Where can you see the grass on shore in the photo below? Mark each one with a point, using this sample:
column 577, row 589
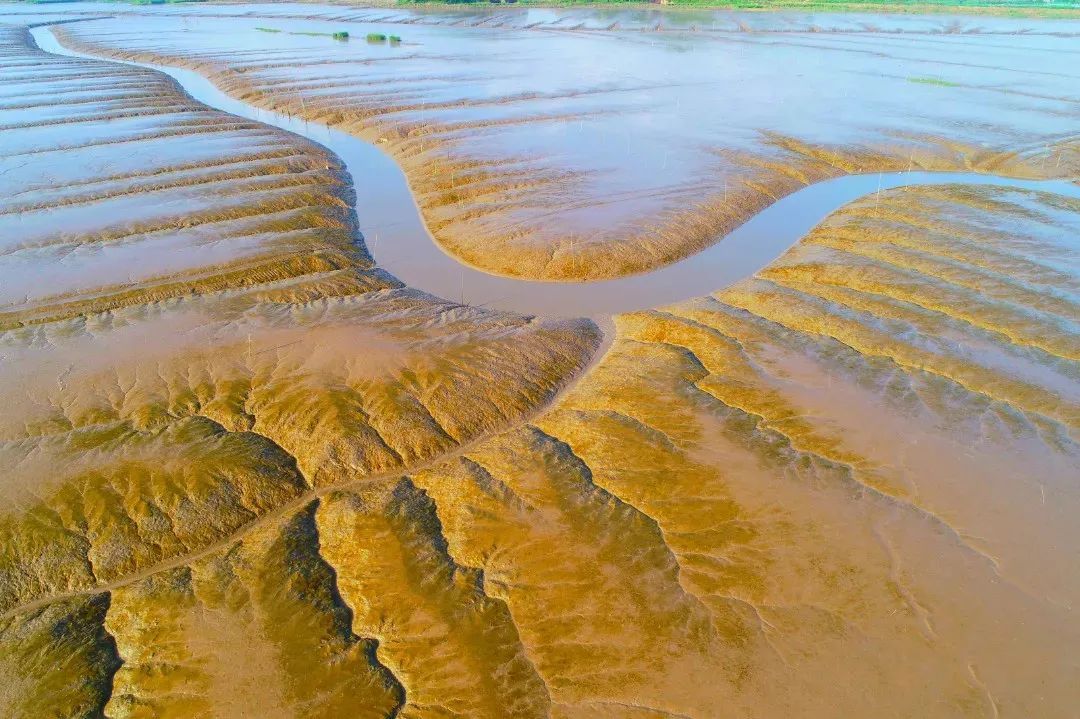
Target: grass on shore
column 933, row 81
column 339, row 35
column 1021, row 8
column 1014, row 8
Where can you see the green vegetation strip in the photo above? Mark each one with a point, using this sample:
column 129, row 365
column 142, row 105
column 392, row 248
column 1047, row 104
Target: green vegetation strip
column 933, row 81
column 339, row 35
column 1052, row 8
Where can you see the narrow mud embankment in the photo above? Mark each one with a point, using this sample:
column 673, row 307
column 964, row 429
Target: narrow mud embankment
column 571, row 214
column 404, row 246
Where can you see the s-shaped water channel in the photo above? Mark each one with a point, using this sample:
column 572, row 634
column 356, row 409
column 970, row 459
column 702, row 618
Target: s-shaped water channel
column 397, row 237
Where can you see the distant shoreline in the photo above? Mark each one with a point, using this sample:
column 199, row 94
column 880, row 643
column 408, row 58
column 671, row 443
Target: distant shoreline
column 1064, row 9
column 1046, row 9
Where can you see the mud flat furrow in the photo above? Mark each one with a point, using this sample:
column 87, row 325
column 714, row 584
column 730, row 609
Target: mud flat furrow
column 455, row 649
column 564, row 227
column 306, row 489
column 77, row 272
column 258, row 175
column 804, row 312
column 58, row 660
column 239, row 478
column 258, row 626
column 519, row 509
column 945, row 28
column 747, row 444
column 266, row 390
column 198, row 411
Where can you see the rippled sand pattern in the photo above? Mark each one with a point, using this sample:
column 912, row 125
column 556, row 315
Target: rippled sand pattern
column 153, row 426
column 253, row 475
column 573, row 172
column 851, row 473
column 118, row 190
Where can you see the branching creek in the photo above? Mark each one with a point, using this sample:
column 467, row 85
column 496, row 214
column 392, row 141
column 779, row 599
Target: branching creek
column 394, row 231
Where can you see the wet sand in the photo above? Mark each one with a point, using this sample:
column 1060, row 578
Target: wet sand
column 624, row 166
column 403, row 246
column 262, row 474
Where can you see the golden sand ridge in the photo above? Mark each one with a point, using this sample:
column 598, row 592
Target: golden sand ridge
column 705, row 520
column 842, row 487
column 744, row 538
column 158, row 419
column 507, row 210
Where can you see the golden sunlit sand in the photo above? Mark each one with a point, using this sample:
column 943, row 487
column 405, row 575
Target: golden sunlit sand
column 246, row 472
column 532, row 179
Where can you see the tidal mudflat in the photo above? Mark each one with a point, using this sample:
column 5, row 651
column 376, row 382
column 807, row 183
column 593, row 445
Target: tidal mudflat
column 569, row 363
column 579, row 152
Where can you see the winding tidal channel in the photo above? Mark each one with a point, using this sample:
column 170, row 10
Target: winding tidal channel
column 397, row 237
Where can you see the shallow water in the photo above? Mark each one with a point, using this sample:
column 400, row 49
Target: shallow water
column 624, row 132
column 396, row 236
column 847, row 485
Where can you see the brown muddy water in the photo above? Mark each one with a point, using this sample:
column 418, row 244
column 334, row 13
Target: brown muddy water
column 822, row 462
column 592, row 145
column 396, row 235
